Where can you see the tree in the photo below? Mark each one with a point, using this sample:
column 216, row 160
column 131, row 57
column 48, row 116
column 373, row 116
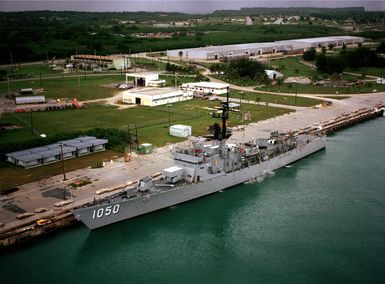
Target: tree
column 330, row 65
column 180, row 54
column 323, row 50
column 331, row 46
column 310, row 54
column 279, row 83
column 381, row 48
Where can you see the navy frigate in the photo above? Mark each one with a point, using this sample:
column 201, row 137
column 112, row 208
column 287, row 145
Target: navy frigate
column 202, row 168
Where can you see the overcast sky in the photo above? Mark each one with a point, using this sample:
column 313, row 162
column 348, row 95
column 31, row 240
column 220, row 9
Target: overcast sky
column 187, row 6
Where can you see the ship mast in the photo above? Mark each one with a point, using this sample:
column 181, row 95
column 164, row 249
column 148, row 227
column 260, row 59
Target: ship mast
column 225, row 115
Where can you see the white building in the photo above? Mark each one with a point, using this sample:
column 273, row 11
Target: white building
column 205, row 88
column 253, row 49
column 155, row 97
column 273, row 75
column 144, row 79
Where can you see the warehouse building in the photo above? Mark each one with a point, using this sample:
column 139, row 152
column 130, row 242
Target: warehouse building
column 52, row 153
column 253, row 49
column 87, row 61
column 155, row 97
column 208, row 88
column 307, row 43
column 228, row 51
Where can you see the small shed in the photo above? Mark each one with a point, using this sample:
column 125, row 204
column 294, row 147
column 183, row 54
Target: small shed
column 180, row 130
column 145, row 148
column 273, row 75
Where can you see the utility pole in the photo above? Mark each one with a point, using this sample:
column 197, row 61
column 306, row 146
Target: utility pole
column 9, row 85
column 31, row 122
column 62, row 163
column 77, row 75
column 169, row 115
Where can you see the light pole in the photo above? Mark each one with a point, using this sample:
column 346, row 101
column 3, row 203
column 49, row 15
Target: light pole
column 295, row 98
column 62, row 161
column 169, row 114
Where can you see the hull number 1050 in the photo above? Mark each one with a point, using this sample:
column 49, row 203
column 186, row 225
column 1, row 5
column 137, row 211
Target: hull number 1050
column 99, row 213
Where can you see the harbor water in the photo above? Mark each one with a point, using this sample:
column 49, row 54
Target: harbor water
column 319, row 220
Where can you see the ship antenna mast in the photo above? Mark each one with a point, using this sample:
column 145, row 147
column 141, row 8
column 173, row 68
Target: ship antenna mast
column 225, row 114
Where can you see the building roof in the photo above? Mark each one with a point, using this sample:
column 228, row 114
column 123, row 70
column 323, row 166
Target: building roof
column 30, row 100
column 271, row 72
column 52, row 150
column 29, row 158
column 180, row 127
column 153, row 91
column 204, row 84
column 284, row 44
column 142, row 74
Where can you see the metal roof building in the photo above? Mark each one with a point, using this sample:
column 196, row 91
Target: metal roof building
column 44, row 155
column 206, row 87
column 30, row 100
column 143, row 78
column 155, row 97
column 252, row 49
column 322, row 41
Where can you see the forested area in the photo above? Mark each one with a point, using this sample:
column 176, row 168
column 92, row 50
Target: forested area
column 30, row 36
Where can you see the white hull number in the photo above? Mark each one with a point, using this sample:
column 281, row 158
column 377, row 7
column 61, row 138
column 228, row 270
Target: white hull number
column 106, row 211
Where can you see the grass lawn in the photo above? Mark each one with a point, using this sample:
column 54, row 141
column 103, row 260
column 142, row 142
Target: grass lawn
column 310, row 89
column 147, row 63
column 290, row 65
column 170, row 80
column 33, row 70
column 278, row 99
column 374, row 71
column 90, row 87
column 246, row 82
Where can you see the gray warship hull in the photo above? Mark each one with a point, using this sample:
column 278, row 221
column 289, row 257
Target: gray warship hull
column 126, row 207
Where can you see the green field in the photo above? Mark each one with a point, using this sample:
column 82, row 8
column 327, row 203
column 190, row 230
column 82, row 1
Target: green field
column 150, row 120
column 269, row 98
column 33, row 70
column 311, row 89
column 87, row 88
column 291, row 67
column 373, row 71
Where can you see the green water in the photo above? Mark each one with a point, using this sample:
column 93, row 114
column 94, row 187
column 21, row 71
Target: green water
column 320, row 221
